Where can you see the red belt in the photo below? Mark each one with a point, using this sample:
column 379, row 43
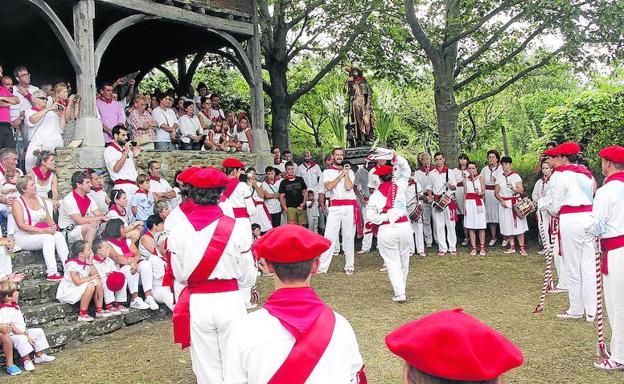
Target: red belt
column 571, row 209
column 490, row 187
column 610, row 244
column 124, row 181
column 182, row 311
column 357, row 217
column 266, row 210
column 240, row 213
column 513, row 200
column 401, row 219
column 476, row 197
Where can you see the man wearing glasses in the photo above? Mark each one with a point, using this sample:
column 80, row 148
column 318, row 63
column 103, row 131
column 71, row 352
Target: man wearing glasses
column 23, row 90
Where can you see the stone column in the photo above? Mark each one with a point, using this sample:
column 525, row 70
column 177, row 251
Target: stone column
column 88, row 127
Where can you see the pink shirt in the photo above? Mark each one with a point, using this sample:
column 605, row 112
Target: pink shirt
column 5, row 115
column 111, row 114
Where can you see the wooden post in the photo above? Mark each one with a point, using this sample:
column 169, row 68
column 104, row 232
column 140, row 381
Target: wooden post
column 261, row 139
column 88, row 127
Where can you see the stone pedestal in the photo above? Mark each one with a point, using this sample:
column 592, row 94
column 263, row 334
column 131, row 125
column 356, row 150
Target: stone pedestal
column 89, row 129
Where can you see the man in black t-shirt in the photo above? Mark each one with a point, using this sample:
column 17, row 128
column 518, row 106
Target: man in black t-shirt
column 293, row 193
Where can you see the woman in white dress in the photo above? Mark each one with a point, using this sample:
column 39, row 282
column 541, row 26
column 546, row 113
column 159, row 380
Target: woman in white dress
column 262, row 217
column 474, row 207
column 191, row 131
column 44, row 175
column 508, row 188
column 460, row 173
column 118, row 209
column 35, row 228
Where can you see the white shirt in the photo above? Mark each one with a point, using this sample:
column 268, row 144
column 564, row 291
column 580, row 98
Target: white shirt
column 241, row 198
column 69, row 206
column 12, row 315
column 46, row 130
column 504, row 182
column 281, row 166
column 273, row 205
column 438, row 180
column 310, row 175
column 608, row 210
column 160, row 186
column 423, row 179
column 189, row 126
column 460, row 174
column 100, row 199
column 259, row 344
column 339, row 192
column 127, row 172
column 570, row 188
column 377, row 202
column 491, row 174
column 24, row 104
column 167, row 117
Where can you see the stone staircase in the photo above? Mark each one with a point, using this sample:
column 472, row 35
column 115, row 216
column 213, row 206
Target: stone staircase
column 41, row 309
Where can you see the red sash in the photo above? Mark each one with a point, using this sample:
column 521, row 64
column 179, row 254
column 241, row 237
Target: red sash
column 266, row 210
column 357, row 216
column 124, row 181
column 122, row 243
column 82, row 202
column 198, row 281
column 610, row 244
column 229, row 189
column 490, row 187
column 476, row 197
column 240, row 213
column 452, row 207
column 571, row 209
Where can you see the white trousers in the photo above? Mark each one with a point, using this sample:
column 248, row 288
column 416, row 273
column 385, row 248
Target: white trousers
column 163, row 295
column 132, row 284
column 367, row 239
column 20, row 342
column 554, row 245
column 248, row 281
column 394, row 242
column 445, row 230
column 339, row 218
column 109, row 296
column 212, row 315
column 417, row 233
column 49, row 244
column 613, row 288
column 580, row 263
column 427, row 218
column 146, row 275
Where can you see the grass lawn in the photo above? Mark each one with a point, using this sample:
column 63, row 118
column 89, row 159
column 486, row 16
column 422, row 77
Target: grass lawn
column 501, row 290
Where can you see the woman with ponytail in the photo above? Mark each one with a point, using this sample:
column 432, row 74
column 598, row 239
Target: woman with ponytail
column 44, row 176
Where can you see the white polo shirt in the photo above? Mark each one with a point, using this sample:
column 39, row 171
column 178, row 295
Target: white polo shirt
column 69, row 206
column 128, row 171
column 167, row 117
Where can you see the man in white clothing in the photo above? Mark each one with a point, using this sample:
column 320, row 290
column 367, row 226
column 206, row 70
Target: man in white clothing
column 608, row 220
column 159, row 187
column 571, row 198
column 295, row 337
column 422, row 177
column 207, row 259
column 491, row 173
column 119, row 159
column 344, row 213
column 310, row 171
column 442, row 183
column 167, row 123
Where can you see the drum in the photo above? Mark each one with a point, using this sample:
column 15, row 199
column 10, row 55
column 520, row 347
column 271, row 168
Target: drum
column 416, row 213
column 442, row 202
column 524, row 207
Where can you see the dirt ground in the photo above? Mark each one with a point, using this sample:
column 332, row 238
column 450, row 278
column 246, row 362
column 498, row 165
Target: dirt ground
column 499, row 289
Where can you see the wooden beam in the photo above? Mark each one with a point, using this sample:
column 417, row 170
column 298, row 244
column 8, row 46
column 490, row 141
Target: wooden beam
column 238, row 49
column 179, row 15
column 109, row 34
column 60, row 31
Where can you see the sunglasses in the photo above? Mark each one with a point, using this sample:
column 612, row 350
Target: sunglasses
column 42, row 98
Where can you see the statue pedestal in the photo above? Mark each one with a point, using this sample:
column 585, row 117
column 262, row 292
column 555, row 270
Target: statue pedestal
column 356, row 155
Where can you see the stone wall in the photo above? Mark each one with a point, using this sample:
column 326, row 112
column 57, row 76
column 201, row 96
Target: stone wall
column 70, row 160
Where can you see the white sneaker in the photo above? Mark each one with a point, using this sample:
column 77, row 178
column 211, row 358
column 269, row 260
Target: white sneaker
column 465, row 242
column 505, row 242
column 85, row 318
column 29, row 366
column 138, row 303
column 363, row 251
column 399, row 299
column 492, row 242
column 44, row 359
column 149, row 300
column 590, row 318
column 104, row 313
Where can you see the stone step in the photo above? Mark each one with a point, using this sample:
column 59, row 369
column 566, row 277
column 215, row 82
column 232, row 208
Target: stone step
column 39, row 314
column 21, row 258
column 37, row 291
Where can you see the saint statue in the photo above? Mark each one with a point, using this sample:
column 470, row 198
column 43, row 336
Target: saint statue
column 360, row 126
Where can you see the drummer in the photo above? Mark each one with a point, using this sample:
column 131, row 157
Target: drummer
column 414, row 196
column 441, row 189
column 508, row 190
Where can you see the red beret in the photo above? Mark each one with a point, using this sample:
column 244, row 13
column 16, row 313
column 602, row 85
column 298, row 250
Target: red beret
column 290, row 244
column 614, row 153
column 233, row 162
column 209, row 177
column 187, row 175
column 454, row 345
column 383, row 170
column 115, row 281
column 565, row 149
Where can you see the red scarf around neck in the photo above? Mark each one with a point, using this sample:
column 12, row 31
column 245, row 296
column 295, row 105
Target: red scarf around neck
column 574, row 168
column 296, row 308
column 385, row 189
column 82, row 263
column 116, row 146
column 443, row 170
column 154, row 178
column 83, row 203
column 202, row 216
column 619, row 176
column 426, row 170
column 120, row 213
column 10, row 305
column 96, row 189
column 40, row 175
column 106, row 101
column 311, row 164
column 122, row 243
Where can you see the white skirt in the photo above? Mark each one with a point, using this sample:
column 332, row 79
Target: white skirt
column 491, row 207
column 459, row 196
column 70, row 293
column 473, row 219
column 509, row 227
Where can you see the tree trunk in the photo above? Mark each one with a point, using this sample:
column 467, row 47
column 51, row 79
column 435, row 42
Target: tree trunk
column 280, row 107
column 505, row 143
column 447, row 114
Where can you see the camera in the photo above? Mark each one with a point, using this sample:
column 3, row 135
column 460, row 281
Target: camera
column 59, row 108
column 133, row 143
column 346, row 167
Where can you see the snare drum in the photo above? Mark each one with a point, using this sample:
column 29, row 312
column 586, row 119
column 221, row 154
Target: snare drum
column 416, row 213
column 442, row 202
column 524, row 207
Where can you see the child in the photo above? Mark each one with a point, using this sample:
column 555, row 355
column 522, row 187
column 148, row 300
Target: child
column 312, row 212
column 105, row 266
column 81, row 282
column 24, row 340
column 153, row 253
column 7, row 348
column 142, row 203
column 97, row 194
column 255, row 231
column 262, row 268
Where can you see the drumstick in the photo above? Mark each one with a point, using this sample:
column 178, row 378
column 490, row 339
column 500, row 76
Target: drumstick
column 548, row 270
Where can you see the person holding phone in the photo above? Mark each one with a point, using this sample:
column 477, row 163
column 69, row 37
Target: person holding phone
column 46, row 125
